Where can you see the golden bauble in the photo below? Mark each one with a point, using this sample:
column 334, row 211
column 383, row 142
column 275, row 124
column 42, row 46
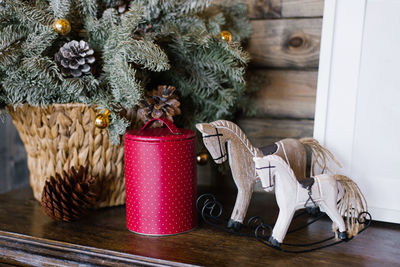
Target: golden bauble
column 227, row 36
column 62, row 26
column 102, row 120
column 202, row 158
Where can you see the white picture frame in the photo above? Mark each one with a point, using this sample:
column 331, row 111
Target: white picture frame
column 358, row 68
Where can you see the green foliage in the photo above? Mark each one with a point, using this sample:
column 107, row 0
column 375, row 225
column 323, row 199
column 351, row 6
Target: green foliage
column 183, row 49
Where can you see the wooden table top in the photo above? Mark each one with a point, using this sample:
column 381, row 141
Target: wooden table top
column 29, row 237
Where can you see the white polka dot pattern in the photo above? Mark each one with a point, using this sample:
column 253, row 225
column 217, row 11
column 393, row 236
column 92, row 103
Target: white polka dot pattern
column 160, row 186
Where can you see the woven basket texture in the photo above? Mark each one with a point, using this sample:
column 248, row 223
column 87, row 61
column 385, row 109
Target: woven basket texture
column 60, row 136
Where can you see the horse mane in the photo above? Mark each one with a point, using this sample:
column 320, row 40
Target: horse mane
column 283, row 163
column 239, row 133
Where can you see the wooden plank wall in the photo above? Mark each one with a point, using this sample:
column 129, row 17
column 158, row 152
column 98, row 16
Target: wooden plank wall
column 285, row 51
column 285, row 48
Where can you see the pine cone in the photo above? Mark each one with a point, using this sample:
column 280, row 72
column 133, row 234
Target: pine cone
column 74, row 58
column 160, row 103
column 69, row 197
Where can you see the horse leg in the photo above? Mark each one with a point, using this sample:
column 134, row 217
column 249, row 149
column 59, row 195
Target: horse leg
column 333, row 213
column 281, row 226
column 239, row 211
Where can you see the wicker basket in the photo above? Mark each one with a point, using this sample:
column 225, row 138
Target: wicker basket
column 60, row 136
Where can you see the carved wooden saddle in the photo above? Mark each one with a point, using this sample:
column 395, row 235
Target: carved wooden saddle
column 306, row 182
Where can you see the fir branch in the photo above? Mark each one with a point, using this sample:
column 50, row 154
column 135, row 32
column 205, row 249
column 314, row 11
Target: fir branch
column 6, row 17
column 117, row 128
column 109, row 18
column 99, row 30
column 183, row 6
column 41, row 4
column 45, row 65
column 126, row 90
column 10, row 55
column 194, row 6
column 87, row 8
column 235, row 13
column 146, row 54
column 110, row 3
column 129, row 22
column 79, row 89
column 37, row 43
column 11, row 34
column 215, row 23
column 30, row 16
column 235, row 49
column 191, row 38
column 214, row 60
column 60, row 8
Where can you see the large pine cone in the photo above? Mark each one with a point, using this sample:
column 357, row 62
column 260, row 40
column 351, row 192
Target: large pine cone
column 160, row 103
column 69, row 197
column 74, row 59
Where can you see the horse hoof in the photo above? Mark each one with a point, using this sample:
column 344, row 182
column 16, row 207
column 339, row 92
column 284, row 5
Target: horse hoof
column 236, row 226
column 343, row 236
column 274, row 242
column 313, row 211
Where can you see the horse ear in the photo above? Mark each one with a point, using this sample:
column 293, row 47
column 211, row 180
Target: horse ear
column 204, row 127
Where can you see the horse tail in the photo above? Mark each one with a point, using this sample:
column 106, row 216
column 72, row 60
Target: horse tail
column 320, row 154
column 351, row 204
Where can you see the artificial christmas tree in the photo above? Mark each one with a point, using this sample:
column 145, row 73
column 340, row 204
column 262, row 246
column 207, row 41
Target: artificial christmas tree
column 47, row 65
column 171, row 42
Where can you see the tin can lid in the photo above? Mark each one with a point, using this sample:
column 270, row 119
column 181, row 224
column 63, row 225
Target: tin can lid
column 167, row 134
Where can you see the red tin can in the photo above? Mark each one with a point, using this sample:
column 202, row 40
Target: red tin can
column 160, row 178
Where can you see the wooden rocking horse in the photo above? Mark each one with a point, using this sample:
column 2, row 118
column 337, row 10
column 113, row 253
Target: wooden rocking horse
column 226, row 141
column 321, row 190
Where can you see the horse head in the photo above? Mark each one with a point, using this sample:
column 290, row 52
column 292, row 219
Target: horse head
column 214, row 141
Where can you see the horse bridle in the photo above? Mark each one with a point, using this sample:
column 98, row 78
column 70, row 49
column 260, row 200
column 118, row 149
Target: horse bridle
column 218, row 135
column 269, row 167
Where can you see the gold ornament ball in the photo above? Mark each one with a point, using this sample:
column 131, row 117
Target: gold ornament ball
column 62, row 26
column 102, row 120
column 227, row 36
column 202, row 158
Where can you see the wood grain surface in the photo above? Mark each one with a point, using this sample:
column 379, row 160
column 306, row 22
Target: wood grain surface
column 264, row 9
column 302, row 8
column 286, row 43
column 285, row 93
column 28, row 237
column 263, row 131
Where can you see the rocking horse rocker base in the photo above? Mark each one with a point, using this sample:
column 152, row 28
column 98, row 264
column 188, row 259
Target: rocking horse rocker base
column 211, row 210
column 275, row 243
